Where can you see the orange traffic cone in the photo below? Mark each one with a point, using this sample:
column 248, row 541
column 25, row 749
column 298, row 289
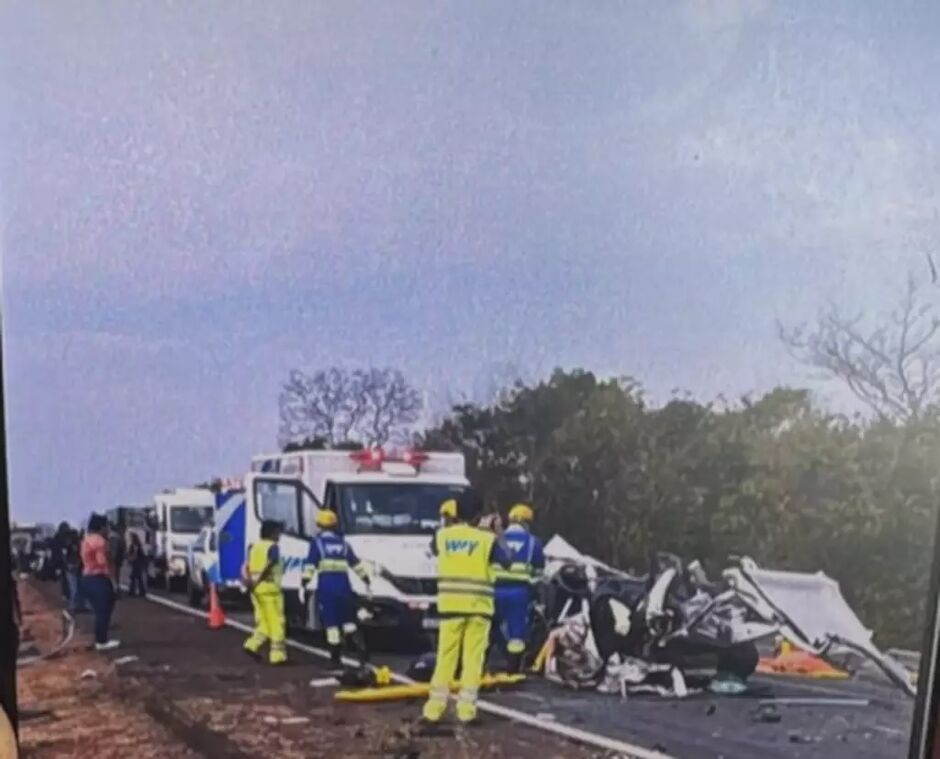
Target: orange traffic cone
column 216, row 615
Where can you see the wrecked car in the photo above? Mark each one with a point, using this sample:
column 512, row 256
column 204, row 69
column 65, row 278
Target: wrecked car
column 673, row 630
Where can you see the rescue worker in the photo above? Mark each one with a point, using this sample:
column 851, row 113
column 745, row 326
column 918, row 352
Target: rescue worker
column 465, row 603
column 262, row 575
column 448, row 512
column 330, row 558
column 514, row 585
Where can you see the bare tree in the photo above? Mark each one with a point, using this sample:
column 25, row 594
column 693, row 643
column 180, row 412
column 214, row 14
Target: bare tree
column 893, row 368
column 337, row 406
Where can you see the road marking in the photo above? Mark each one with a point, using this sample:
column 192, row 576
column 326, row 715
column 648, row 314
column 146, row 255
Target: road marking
column 621, row 748
column 794, row 682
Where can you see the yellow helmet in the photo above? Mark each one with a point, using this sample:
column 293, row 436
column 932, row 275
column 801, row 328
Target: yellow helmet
column 326, row 518
column 449, row 509
column 521, row 513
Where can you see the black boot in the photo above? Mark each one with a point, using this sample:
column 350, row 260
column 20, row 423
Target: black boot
column 336, row 658
column 514, row 663
column 358, row 641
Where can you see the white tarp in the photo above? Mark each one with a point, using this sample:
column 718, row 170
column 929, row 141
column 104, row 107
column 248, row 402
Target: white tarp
column 815, row 605
column 560, row 550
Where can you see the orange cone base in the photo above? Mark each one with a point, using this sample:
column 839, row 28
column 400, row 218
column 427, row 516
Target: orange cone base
column 216, row 615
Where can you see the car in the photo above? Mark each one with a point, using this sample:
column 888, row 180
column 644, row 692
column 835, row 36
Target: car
column 202, row 565
column 201, row 555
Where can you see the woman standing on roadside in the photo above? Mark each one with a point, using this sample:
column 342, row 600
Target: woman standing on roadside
column 138, row 561
column 98, row 579
column 73, row 568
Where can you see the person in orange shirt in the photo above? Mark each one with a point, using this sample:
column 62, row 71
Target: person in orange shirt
column 98, row 580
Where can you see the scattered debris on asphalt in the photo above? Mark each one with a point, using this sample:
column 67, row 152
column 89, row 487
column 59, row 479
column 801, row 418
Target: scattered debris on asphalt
column 324, row 682
column 767, row 714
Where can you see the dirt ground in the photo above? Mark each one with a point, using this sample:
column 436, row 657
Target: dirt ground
column 62, row 714
column 191, row 692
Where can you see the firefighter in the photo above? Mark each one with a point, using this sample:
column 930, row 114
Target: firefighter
column 465, row 603
column 514, row 585
column 448, row 512
column 330, row 558
column 262, row 575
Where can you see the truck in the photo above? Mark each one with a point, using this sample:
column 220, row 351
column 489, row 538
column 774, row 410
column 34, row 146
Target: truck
column 29, row 546
column 137, row 520
column 178, row 516
column 387, row 505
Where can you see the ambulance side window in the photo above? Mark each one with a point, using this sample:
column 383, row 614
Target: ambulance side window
column 280, row 501
column 288, row 502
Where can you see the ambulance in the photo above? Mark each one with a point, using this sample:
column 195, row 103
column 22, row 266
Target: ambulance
column 388, row 507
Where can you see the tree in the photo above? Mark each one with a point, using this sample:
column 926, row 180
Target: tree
column 894, row 368
column 336, row 406
column 773, row 478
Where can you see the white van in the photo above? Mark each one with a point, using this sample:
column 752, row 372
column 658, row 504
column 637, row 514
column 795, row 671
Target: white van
column 179, row 515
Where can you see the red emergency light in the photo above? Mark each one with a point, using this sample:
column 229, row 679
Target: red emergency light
column 373, row 458
column 415, row 458
column 369, row 458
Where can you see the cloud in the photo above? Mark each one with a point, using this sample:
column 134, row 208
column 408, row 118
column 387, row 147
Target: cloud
column 710, row 17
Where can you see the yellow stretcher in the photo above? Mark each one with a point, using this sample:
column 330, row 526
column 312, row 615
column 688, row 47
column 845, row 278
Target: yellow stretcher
column 418, row 690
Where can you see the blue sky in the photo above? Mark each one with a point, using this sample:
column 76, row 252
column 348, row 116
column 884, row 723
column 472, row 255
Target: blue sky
column 198, row 197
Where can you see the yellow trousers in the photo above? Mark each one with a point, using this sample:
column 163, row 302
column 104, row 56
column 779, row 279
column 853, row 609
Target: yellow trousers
column 461, row 640
column 269, row 626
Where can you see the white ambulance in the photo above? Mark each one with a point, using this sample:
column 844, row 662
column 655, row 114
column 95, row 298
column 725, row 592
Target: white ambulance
column 388, row 507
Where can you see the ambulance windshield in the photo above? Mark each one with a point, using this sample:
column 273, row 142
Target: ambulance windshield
column 393, row 508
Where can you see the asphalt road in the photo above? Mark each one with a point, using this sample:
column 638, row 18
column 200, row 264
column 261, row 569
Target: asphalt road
column 706, row 726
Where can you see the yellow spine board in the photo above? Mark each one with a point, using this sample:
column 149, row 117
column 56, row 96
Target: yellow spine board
column 401, row 692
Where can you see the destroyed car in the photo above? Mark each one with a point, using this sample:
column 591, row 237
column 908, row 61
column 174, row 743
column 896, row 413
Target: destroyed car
column 674, row 629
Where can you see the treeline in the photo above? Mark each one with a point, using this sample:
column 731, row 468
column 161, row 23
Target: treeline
column 776, row 479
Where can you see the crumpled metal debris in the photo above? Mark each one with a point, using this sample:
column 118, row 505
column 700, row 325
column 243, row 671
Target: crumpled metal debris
column 575, row 663
column 574, row 660
column 675, row 612
column 634, row 676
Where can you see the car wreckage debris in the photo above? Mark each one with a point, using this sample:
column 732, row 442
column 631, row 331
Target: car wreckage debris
column 673, row 632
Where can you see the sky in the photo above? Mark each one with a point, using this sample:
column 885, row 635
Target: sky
column 196, row 198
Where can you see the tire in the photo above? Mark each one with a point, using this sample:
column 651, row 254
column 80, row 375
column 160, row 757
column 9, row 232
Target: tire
column 176, row 584
column 195, row 595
